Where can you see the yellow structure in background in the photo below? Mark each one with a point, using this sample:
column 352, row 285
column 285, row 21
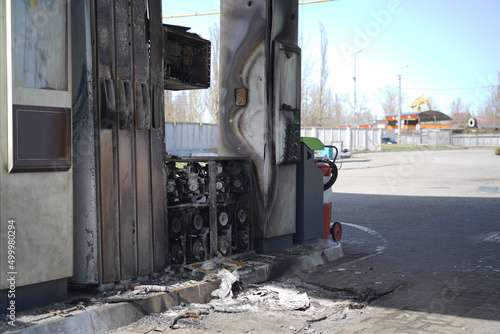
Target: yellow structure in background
column 417, row 104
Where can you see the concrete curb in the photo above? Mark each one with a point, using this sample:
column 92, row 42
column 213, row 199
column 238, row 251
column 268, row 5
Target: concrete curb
column 113, row 316
column 289, row 263
column 351, row 160
column 490, row 187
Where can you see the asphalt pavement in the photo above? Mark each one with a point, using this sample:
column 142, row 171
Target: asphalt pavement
column 422, row 238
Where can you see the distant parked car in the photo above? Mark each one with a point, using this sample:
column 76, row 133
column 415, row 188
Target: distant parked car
column 388, row 140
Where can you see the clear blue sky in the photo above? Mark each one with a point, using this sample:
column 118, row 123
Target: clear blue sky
column 451, row 47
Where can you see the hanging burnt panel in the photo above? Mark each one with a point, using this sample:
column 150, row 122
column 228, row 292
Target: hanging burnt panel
column 208, row 208
column 106, row 155
column 187, row 59
column 158, row 203
column 287, row 102
column 142, row 101
column 125, row 140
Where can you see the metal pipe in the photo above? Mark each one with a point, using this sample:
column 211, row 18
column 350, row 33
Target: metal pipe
column 355, row 95
column 399, row 111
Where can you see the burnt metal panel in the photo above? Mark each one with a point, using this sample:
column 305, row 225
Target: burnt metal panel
column 285, row 18
column 287, row 58
column 106, row 140
column 143, row 198
column 140, row 40
column 107, row 103
column 249, row 129
column 125, row 137
column 142, row 103
column 156, row 38
column 104, row 31
column 107, row 207
column 286, row 80
column 126, row 206
column 244, row 50
column 158, row 201
column 123, row 39
column 125, row 103
column 158, row 178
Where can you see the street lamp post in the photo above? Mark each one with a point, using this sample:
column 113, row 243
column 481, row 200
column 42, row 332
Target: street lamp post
column 355, row 95
column 399, row 111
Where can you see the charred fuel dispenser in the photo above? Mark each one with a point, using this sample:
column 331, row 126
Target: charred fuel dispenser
column 260, row 109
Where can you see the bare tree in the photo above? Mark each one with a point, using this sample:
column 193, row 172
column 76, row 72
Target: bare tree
column 459, row 107
column 183, row 107
column 212, row 94
column 307, row 112
column 324, row 72
column 365, row 114
column 491, row 104
column 196, row 110
column 336, row 106
column 460, row 113
column 306, row 86
column 388, row 97
column 169, row 110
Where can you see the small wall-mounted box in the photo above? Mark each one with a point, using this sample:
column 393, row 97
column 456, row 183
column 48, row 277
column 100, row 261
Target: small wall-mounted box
column 187, row 59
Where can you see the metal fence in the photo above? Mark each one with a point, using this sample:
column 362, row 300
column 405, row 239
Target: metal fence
column 441, row 137
column 352, row 139
column 476, row 140
column 445, row 137
column 191, row 139
column 202, row 139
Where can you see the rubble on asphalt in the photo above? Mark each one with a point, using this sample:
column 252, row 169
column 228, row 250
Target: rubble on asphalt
column 233, row 296
column 292, row 296
column 170, row 279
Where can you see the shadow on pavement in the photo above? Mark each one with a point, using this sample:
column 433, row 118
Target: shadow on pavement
column 436, row 255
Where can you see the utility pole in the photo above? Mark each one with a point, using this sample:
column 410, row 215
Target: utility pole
column 355, row 95
column 400, row 128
